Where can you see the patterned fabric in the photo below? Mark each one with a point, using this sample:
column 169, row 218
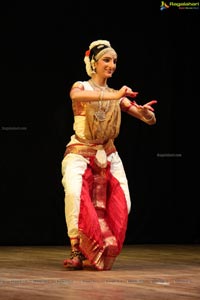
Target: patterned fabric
column 97, row 200
column 86, row 126
column 103, row 217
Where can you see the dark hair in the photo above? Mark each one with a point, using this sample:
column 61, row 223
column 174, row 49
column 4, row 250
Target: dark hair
column 95, row 50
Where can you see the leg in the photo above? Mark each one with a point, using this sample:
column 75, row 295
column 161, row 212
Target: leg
column 73, row 168
column 118, row 172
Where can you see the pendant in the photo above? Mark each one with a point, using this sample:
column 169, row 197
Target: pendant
column 100, row 115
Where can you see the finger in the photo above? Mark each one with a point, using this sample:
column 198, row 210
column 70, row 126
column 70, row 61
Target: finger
column 147, row 106
column 152, row 102
column 132, row 94
column 151, row 108
column 135, row 94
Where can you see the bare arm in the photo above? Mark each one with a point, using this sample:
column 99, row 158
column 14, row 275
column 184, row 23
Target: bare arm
column 78, row 93
column 144, row 112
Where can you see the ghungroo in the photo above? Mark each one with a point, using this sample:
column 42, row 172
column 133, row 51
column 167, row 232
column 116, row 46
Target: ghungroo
column 77, row 253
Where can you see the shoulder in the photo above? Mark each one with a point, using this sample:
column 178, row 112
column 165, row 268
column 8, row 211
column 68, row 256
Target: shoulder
column 83, row 85
column 78, row 84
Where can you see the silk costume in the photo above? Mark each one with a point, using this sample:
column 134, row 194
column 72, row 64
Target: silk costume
column 97, row 199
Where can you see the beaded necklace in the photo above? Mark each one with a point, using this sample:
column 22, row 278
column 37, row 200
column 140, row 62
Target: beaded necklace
column 100, row 114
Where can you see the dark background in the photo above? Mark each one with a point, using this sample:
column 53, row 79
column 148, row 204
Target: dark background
column 42, row 50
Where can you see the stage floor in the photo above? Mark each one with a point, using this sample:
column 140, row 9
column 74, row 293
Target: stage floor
column 153, row 272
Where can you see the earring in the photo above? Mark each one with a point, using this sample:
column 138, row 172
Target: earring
column 93, row 66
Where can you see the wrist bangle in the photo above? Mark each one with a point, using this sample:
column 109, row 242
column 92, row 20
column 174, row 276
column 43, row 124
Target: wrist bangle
column 150, row 118
column 126, row 109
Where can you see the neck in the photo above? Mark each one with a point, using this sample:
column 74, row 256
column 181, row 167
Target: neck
column 100, row 86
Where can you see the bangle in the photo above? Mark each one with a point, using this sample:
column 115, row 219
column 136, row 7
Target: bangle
column 126, row 109
column 150, row 118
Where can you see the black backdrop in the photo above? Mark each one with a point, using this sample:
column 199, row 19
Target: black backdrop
column 42, row 49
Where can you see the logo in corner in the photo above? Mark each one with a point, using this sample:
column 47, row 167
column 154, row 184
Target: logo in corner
column 179, row 5
column 164, row 5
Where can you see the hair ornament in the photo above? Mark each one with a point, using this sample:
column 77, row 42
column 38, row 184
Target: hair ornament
column 87, row 53
column 95, row 51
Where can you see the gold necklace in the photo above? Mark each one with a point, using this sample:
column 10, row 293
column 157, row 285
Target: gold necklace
column 98, row 86
column 100, row 114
